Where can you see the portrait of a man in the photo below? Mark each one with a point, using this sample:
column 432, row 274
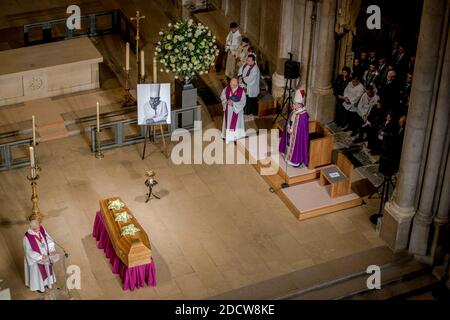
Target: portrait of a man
column 153, row 104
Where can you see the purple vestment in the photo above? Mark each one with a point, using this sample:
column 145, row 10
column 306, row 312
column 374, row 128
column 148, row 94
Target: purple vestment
column 296, row 145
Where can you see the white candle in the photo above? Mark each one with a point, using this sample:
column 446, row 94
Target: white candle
column 34, row 131
column 32, row 157
column 127, row 57
column 98, row 117
column 142, row 64
column 155, row 70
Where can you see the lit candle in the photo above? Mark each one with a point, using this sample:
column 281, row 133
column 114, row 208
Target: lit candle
column 127, row 57
column 98, row 117
column 155, row 70
column 34, row 131
column 142, row 64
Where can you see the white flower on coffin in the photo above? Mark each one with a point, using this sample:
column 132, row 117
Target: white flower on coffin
column 169, row 25
column 115, row 204
column 161, row 33
column 129, row 230
column 122, row 217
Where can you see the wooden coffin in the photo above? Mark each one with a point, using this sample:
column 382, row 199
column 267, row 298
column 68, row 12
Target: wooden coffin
column 134, row 250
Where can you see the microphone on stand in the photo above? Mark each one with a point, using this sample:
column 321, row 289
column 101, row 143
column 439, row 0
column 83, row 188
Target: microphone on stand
column 66, row 254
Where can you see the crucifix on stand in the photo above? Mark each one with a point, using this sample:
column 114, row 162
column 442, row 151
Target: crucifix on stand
column 138, row 19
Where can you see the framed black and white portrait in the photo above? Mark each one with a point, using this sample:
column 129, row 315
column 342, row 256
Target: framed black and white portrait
column 153, row 103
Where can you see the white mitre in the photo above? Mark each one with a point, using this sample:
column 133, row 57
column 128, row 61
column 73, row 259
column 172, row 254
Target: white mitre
column 299, row 97
column 154, row 90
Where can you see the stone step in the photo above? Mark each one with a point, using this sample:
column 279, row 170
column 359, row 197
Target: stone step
column 357, row 286
column 52, row 131
column 317, row 277
column 405, row 289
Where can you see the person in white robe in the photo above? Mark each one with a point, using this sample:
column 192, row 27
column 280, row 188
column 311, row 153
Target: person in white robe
column 249, row 78
column 368, row 100
column 352, row 95
column 233, row 101
column 39, row 248
column 243, row 52
column 232, row 44
column 155, row 110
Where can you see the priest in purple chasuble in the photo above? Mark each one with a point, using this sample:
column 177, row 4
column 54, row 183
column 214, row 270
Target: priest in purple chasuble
column 38, row 248
column 294, row 142
column 233, row 102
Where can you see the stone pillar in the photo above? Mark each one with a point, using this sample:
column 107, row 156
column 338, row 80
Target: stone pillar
column 284, row 46
column 422, row 220
column 442, row 216
column 400, row 210
column 321, row 104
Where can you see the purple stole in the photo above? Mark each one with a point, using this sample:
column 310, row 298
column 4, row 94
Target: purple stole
column 34, row 245
column 238, row 94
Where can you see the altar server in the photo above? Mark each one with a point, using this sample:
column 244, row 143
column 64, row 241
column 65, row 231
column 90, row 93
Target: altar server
column 38, row 248
column 155, row 110
column 233, row 102
column 294, row 142
column 352, row 95
column 233, row 42
column 249, row 78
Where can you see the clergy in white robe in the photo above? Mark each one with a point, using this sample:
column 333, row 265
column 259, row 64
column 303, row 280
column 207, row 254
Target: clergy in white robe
column 233, row 102
column 232, row 44
column 38, row 248
column 155, row 110
column 249, row 78
column 352, row 95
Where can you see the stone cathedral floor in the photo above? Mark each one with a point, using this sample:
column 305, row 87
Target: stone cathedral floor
column 216, row 228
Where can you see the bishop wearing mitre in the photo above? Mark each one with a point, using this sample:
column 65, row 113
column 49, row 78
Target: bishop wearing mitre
column 233, row 102
column 38, row 248
column 294, row 142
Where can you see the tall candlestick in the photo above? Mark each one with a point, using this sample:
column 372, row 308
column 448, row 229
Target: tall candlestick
column 34, row 130
column 127, row 57
column 155, row 70
column 32, row 163
column 142, row 64
column 98, row 117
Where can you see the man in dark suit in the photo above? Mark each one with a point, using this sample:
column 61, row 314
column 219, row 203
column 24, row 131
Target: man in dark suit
column 389, row 93
column 401, row 63
column 339, row 86
column 382, row 69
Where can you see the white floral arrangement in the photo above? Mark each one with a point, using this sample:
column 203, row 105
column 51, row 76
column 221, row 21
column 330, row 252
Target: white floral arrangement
column 129, row 230
column 115, row 204
column 186, row 49
column 122, row 217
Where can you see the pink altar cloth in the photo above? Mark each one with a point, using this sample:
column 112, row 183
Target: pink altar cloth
column 135, row 277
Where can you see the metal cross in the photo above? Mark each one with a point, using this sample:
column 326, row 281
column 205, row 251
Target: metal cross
column 138, row 18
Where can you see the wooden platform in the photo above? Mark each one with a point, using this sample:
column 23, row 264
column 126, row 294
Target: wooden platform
column 305, row 197
column 261, row 157
column 310, row 200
